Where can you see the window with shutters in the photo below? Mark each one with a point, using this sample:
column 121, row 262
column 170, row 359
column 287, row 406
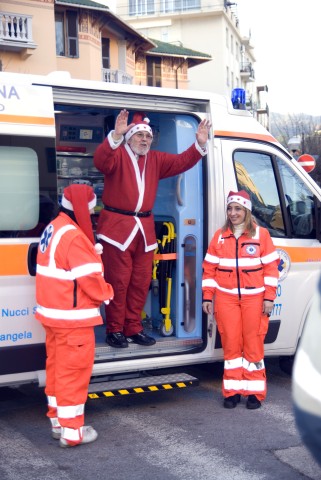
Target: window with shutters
column 66, row 24
column 105, row 47
column 154, row 72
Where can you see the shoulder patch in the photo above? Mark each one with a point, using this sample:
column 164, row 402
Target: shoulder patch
column 46, row 238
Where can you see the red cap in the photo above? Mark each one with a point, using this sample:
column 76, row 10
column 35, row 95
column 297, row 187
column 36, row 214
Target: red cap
column 241, row 197
column 80, row 199
column 141, row 125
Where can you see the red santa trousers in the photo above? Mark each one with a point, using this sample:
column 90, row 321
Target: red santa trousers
column 242, row 328
column 70, row 359
column 130, row 274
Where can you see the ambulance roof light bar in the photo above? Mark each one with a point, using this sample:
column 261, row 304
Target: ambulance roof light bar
column 238, row 98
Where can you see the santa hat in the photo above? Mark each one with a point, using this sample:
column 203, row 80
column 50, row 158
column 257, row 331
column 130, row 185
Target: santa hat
column 241, row 197
column 80, row 199
column 141, row 125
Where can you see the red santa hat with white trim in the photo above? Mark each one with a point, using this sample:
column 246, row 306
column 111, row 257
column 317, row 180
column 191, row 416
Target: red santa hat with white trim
column 241, row 197
column 80, row 199
column 141, row 125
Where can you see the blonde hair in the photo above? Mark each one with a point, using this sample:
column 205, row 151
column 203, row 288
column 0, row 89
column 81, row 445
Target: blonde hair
column 249, row 224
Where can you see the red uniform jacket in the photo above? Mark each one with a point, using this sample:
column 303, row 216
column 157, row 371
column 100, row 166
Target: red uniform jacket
column 244, row 266
column 69, row 282
column 126, row 187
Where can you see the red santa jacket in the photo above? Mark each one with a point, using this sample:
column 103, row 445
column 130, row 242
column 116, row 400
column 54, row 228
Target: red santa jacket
column 126, row 187
column 69, row 281
column 243, row 266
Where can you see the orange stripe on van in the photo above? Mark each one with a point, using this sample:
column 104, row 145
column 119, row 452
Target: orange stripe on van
column 27, row 119
column 13, row 260
column 302, row 254
column 252, row 136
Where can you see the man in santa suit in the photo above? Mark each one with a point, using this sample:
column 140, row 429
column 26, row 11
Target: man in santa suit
column 126, row 224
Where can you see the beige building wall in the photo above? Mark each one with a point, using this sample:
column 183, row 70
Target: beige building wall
column 43, row 58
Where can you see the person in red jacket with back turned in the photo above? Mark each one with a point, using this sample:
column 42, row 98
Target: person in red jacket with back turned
column 126, row 224
column 70, row 288
column 241, row 274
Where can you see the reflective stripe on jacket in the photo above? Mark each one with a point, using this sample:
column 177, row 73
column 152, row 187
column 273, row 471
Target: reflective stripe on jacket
column 70, row 286
column 243, row 266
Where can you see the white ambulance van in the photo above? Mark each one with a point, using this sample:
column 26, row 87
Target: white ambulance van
column 50, row 127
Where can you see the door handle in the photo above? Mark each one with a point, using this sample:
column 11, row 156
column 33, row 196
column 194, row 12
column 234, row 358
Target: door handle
column 32, row 258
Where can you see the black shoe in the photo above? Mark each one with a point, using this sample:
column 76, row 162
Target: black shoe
column 142, row 339
column 231, row 402
column 252, row 402
column 117, row 340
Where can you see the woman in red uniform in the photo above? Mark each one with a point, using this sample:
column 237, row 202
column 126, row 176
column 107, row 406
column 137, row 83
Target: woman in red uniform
column 241, row 273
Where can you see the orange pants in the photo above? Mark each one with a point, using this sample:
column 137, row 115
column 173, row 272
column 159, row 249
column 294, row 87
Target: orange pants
column 130, row 274
column 70, row 359
column 242, row 328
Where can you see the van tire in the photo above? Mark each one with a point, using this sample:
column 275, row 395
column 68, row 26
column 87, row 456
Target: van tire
column 286, row 364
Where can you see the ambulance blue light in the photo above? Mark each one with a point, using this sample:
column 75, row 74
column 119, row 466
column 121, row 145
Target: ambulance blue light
column 238, row 98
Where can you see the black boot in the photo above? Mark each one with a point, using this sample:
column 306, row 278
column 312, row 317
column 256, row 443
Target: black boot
column 231, row 402
column 117, row 340
column 142, row 339
column 252, row 402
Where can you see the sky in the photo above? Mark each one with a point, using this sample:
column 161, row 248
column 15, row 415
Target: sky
column 286, row 35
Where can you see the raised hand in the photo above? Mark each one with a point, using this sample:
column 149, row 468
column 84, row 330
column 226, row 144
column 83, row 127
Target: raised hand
column 202, row 132
column 121, row 125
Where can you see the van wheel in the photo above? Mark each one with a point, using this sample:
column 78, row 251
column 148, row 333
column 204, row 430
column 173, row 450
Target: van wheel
column 166, row 333
column 286, row 364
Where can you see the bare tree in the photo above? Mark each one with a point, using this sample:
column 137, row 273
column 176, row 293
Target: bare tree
column 307, row 128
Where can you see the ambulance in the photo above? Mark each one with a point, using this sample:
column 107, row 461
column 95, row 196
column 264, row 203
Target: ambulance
column 50, row 127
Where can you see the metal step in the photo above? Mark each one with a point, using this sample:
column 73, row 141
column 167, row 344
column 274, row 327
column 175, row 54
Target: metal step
column 163, row 346
column 141, row 385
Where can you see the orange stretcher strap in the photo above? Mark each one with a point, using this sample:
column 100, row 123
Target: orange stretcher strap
column 165, row 256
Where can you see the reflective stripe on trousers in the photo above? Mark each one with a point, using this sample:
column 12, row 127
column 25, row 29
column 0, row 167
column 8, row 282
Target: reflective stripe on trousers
column 242, row 328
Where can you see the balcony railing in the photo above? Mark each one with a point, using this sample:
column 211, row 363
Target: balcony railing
column 116, row 76
column 247, row 72
column 15, row 31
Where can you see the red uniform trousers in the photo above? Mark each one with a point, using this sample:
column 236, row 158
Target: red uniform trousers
column 69, row 364
column 130, row 274
column 242, row 328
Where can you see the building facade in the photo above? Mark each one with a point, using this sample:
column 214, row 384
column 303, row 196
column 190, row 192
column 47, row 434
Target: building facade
column 204, row 25
column 89, row 41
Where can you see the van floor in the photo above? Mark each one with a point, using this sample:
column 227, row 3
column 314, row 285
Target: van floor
column 163, row 346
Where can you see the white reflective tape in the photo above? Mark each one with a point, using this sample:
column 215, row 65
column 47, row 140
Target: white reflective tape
column 81, row 271
column 56, row 240
column 52, row 401
column 72, row 434
column 68, row 314
column 209, row 282
column 254, row 385
column 70, row 411
column 243, row 291
column 270, row 258
column 234, row 363
column 211, row 258
column 245, row 385
column 271, row 281
column 241, row 262
column 53, row 272
column 87, row 269
column 306, row 376
column 55, row 422
column 257, row 233
column 253, row 366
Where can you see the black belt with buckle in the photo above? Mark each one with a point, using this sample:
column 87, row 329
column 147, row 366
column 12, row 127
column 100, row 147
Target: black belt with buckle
column 128, row 212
